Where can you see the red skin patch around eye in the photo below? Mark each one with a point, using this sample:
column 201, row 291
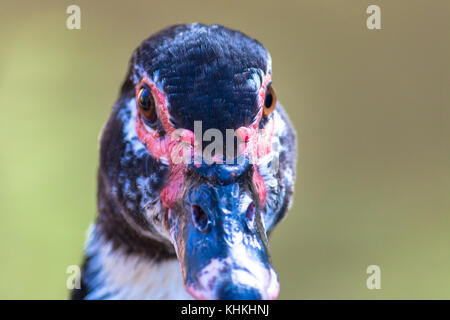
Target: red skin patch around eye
column 256, row 143
column 162, row 147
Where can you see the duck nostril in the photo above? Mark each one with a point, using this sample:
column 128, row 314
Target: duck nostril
column 250, row 215
column 200, row 218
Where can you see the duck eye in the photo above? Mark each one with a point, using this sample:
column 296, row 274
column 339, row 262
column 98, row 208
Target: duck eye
column 147, row 104
column 270, row 101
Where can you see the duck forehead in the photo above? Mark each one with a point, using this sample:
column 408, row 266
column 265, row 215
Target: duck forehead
column 219, row 99
column 178, row 49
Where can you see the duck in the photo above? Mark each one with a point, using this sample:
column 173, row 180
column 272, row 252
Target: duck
column 196, row 168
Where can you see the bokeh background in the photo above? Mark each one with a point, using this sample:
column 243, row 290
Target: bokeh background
column 372, row 111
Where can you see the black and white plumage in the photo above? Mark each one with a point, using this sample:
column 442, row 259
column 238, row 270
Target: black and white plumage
column 172, row 231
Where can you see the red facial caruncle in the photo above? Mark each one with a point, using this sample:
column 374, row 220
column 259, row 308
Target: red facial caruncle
column 255, row 143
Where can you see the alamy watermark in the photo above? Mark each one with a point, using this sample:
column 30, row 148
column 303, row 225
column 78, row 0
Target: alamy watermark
column 73, row 21
column 255, row 146
column 373, row 22
column 374, row 280
column 74, row 279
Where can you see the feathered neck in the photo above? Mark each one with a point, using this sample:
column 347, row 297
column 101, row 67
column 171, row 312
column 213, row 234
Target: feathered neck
column 112, row 273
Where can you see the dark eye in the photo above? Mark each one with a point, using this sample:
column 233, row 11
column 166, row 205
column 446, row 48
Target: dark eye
column 147, row 105
column 270, row 101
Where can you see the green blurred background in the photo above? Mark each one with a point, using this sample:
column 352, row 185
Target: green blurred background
column 372, row 110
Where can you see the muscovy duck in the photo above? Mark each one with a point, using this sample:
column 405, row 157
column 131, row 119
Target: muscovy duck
column 196, row 228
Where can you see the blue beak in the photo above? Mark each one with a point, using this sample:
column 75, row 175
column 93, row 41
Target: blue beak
column 221, row 243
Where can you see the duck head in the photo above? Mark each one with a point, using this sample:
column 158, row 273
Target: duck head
column 197, row 161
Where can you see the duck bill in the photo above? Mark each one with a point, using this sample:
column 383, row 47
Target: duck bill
column 222, row 246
